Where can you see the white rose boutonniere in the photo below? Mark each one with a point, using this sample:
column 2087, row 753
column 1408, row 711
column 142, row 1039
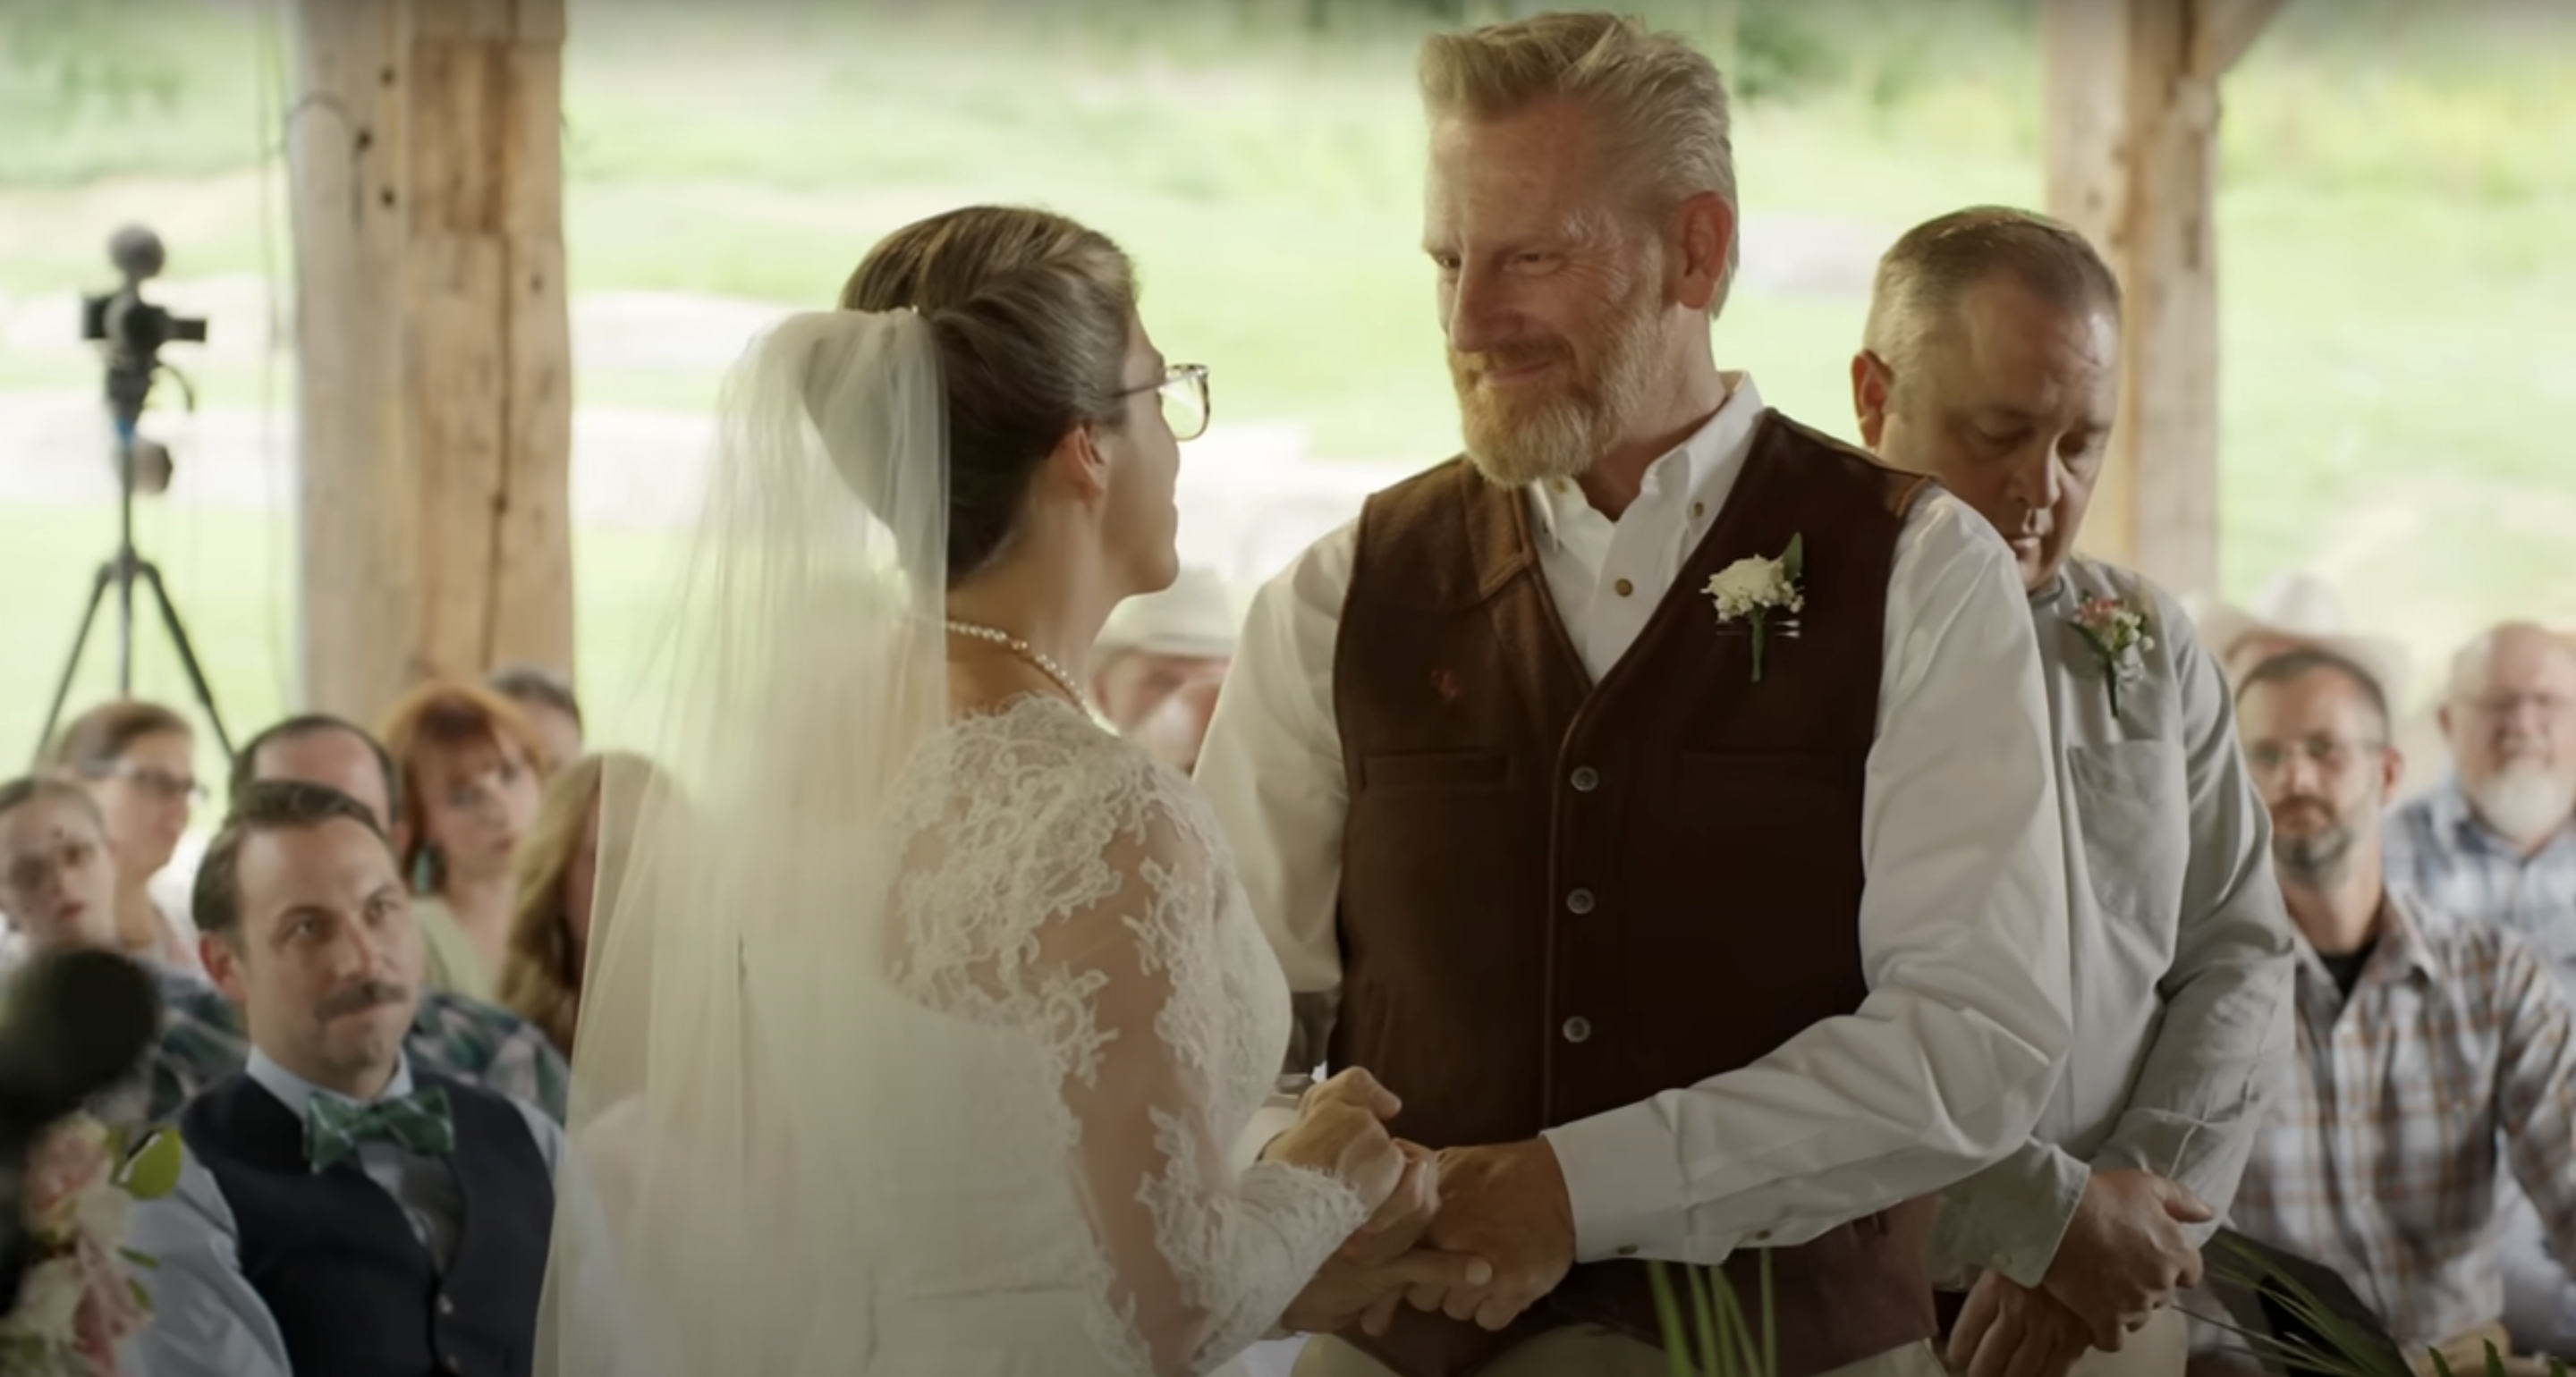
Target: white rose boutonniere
column 1751, row 590
column 2119, row 635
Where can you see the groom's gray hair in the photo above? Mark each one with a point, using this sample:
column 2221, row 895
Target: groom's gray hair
column 1920, row 280
column 1659, row 103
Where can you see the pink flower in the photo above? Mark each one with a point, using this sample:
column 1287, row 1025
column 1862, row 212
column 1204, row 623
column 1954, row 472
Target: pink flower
column 109, row 1313
column 68, row 1163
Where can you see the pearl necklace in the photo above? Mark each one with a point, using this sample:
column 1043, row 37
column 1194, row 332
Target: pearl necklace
column 1046, row 664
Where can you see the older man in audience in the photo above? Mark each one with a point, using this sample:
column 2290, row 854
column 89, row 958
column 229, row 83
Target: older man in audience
column 2431, row 1050
column 1991, row 361
column 1159, row 662
column 276, row 1254
column 2496, row 843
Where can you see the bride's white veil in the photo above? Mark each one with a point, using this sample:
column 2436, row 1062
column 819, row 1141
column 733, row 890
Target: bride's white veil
column 711, row 1219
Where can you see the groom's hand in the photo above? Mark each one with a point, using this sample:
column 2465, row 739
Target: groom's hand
column 2125, row 1253
column 1507, row 1205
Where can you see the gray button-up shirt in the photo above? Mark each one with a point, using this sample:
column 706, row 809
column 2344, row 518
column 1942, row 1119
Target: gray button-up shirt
column 2181, row 950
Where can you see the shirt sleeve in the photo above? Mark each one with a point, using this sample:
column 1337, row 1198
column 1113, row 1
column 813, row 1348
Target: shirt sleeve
column 1948, row 1062
column 2535, row 1080
column 1272, row 771
column 207, row 1320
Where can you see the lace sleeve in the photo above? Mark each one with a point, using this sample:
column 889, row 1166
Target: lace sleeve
column 1195, row 1262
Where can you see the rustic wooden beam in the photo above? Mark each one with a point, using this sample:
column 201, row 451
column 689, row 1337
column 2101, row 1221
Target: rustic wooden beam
column 434, row 344
column 2132, row 157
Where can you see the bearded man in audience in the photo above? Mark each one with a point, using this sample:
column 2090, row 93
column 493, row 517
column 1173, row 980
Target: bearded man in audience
column 1157, row 666
column 2496, row 843
column 1991, row 362
column 2435, row 1054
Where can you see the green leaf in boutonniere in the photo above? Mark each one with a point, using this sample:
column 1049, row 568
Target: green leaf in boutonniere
column 1751, row 589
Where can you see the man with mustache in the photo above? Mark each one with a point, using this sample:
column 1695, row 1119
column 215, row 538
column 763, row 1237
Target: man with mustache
column 1991, row 362
column 2432, row 1050
column 2496, row 843
column 340, row 1210
column 1662, row 789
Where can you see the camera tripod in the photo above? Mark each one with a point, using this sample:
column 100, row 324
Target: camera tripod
column 121, row 571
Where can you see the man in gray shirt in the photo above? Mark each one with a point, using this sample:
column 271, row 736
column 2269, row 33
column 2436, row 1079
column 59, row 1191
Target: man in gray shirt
column 1991, row 361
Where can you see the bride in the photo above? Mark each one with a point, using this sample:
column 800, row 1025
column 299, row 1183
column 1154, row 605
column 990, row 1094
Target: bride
column 924, row 1013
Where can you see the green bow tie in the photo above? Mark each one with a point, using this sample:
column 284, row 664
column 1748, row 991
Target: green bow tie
column 333, row 1128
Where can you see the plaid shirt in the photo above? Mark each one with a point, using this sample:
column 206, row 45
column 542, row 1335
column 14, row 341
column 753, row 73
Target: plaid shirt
column 2455, row 1052
column 202, row 1042
column 2438, row 850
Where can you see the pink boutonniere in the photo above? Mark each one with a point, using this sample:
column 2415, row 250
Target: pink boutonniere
column 2119, row 635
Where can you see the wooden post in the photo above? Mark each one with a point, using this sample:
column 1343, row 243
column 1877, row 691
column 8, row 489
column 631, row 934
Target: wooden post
column 2132, row 156
column 434, row 344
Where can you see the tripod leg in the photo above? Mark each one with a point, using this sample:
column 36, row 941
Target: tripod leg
column 71, row 663
column 187, row 653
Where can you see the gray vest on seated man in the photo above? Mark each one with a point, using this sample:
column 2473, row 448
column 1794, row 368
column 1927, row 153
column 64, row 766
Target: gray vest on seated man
column 312, row 1235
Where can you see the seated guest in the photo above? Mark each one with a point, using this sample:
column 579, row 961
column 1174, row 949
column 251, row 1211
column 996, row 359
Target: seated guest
column 57, row 888
column 318, row 748
column 138, row 761
column 558, row 873
column 1991, row 362
column 548, row 704
column 471, row 769
column 2432, row 1051
column 1158, row 663
column 276, row 1253
column 2496, row 843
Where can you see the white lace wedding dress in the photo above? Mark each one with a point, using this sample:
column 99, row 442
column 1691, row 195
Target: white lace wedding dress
column 1069, row 932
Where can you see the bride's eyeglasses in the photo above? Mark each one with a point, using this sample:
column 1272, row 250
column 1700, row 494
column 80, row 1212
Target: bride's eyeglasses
column 1185, row 398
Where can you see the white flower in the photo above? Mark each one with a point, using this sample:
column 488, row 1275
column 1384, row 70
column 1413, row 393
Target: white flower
column 1753, row 584
column 49, row 1301
column 100, row 1215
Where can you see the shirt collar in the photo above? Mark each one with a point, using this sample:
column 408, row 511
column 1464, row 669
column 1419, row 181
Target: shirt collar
column 294, row 1091
column 2401, row 945
column 1712, row 454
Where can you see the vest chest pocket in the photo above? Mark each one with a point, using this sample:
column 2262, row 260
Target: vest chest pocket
column 2132, row 805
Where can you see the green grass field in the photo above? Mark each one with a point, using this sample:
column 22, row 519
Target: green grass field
column 2395, row 217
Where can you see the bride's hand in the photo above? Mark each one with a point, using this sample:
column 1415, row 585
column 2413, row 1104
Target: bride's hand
column 1341, row 1132
column 1400, row 1223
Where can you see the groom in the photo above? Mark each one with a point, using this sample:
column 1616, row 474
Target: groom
column 1686, row 931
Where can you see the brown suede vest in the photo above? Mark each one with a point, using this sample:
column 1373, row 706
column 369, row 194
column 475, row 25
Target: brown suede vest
column 1559, row 897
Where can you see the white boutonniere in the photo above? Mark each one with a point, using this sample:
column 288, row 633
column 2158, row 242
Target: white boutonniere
column 1751, row 590
column 2118, row 634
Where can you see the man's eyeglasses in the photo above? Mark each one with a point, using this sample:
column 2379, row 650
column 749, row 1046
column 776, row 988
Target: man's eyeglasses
column 1185, row 398
column 2328, row 754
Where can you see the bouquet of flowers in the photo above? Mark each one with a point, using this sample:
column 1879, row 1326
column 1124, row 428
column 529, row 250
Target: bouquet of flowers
column 79, row 1299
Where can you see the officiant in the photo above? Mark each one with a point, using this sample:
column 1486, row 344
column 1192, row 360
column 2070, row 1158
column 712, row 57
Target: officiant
column 1991, row 361
column 1662, row 789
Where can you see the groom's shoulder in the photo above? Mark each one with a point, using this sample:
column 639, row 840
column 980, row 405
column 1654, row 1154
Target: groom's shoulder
column 1821, row 457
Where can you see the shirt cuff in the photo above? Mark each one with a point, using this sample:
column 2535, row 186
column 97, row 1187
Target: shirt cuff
column 2009, row 1217
column 1629, row 1196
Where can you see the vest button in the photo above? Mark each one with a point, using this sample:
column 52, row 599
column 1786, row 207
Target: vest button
column 1579, row 902
column 446, row 1305
column 1586, row 779
column 1578, row 1030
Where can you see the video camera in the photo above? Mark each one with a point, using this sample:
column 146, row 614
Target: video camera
column 132, row 328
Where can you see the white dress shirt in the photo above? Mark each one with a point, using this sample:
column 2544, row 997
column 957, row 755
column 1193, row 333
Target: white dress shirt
column 1963, row 926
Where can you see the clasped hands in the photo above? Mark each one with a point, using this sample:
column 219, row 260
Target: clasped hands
column 2124, row 1255
column 1476, row 1233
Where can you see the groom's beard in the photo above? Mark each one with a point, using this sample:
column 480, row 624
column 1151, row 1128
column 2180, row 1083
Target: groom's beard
column 1539, row 433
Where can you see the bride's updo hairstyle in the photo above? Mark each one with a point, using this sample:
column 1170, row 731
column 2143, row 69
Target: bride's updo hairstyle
column 1031, row 313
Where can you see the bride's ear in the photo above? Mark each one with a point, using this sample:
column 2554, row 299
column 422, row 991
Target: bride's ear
column 1077, row 460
